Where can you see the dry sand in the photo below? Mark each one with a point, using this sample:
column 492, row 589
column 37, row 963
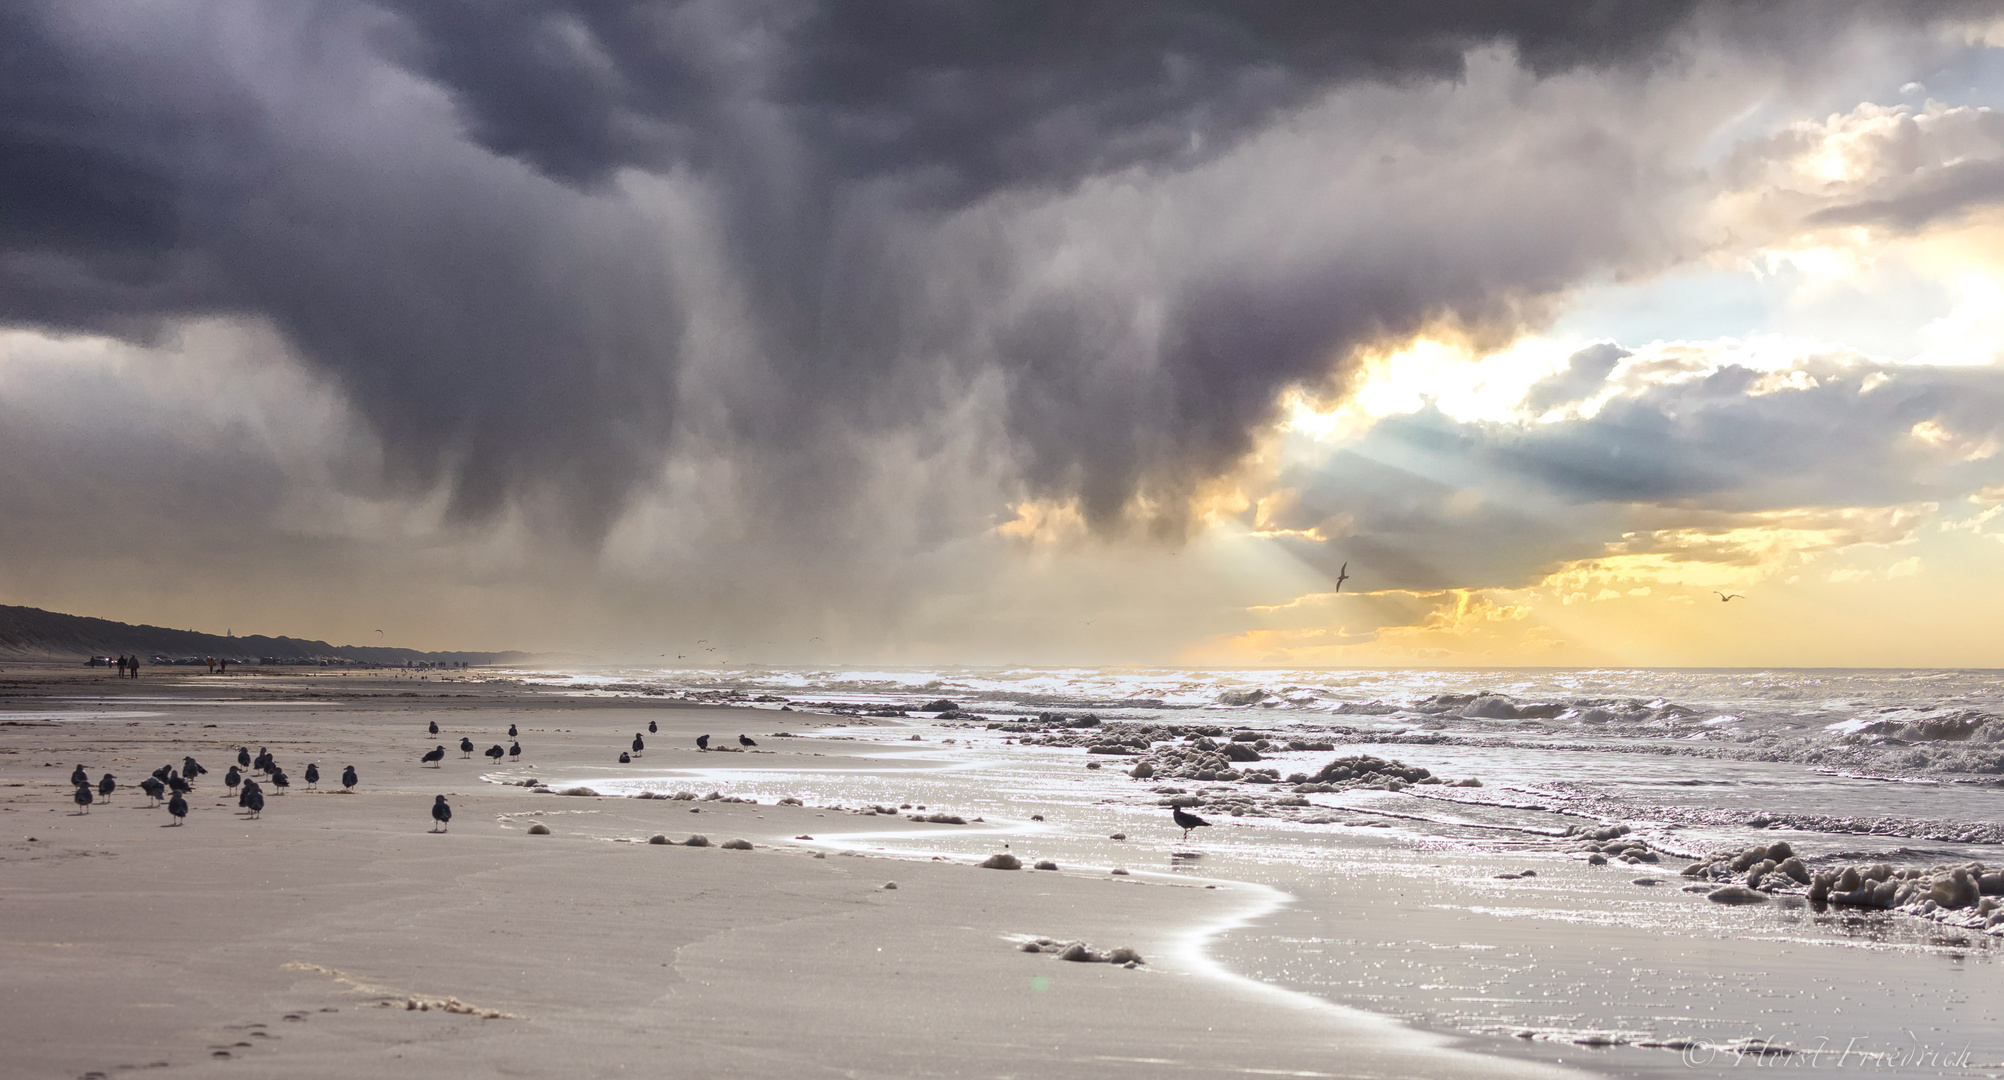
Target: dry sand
column 298, row 943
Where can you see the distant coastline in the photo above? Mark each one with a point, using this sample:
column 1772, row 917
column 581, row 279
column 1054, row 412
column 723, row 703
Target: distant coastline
column 33, row 634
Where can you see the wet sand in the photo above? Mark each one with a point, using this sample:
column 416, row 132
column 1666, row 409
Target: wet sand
column 336, row 936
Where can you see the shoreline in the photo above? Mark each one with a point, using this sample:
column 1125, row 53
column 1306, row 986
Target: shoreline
column 111, row 909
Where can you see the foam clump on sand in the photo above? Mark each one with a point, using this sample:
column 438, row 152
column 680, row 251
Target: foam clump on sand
column 1046, row 864
column 940, row 819
column 1079, row 952
column 657, row 838
column 539, row 829
column 697, row 840
column 580, row 791
column 1002, row 861
column 1601, row 844
column 736, row 845
column 1967, row 895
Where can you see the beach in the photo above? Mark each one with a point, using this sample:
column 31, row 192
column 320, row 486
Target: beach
column 333, row 935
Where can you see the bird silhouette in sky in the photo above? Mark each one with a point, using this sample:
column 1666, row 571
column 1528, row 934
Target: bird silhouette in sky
column 1727, row 598
column 1342, row 576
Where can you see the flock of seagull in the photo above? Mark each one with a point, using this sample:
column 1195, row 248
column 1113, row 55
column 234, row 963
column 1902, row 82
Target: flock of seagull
column 166, row 779
column 250, row 795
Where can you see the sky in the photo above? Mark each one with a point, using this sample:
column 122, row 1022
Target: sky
column 1047, row 332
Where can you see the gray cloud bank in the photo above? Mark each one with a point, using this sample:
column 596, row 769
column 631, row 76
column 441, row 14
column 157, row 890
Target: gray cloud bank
column 800, row 269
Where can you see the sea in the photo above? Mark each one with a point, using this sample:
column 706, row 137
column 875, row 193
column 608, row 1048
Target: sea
column 1467, row 908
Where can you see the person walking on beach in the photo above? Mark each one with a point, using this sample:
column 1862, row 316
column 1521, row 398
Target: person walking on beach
column 121, row 665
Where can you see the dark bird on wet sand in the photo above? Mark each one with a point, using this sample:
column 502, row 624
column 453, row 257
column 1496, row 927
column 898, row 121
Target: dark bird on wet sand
column 106, row 785
column 232, row 778
column 625, row 758
column 638, row 746
column 440, row 813
column 180, row 786
column 465, row 747
column 153, row 788
column 191, row 768
column 243, row 757
column 348, row 777
column 83, row 798
column 434, row 727
column 433, row 757
column 514, row 751
column 178, row 807
column 78, row 776
column 312, row 773
column 495, row 752
column 651, row 729
column 746, row 740
column 702, row 742
column 280, row 781
column 253, row 800
column 1186, row 820
column 511, row 731
column 250, row 789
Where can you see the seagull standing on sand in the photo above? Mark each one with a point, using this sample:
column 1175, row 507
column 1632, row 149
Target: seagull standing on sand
column 511, row 731
column 79, row 777
column 348, row 778
column 702, row 742
column 83, row 798
column 651, row 729
column 153, row 788
column 312, row 773
column 178, row 807
column 514, row 751
column 280, row 781
column 465, row 747
column 1186, row 820
column 253, row 799
column 440, row 813
column 638, row 746
column 495, row 752
column 434, row 727
column 231, row 779
column 746, row 740
column 243, row 757
column 433, row 757
column 191, row 768
column 625, row 758
column 106, row 785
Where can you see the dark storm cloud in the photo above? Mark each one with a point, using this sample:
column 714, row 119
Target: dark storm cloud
column 464, row 256
column 964, row 97
column 1586, row 372
column 1427, row 502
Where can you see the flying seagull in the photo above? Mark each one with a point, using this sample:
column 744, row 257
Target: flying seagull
column 1186, row 820
column 1342, row 576
column 1727, row 598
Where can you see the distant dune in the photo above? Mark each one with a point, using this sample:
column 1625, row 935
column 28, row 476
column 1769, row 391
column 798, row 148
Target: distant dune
column 33, row 634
